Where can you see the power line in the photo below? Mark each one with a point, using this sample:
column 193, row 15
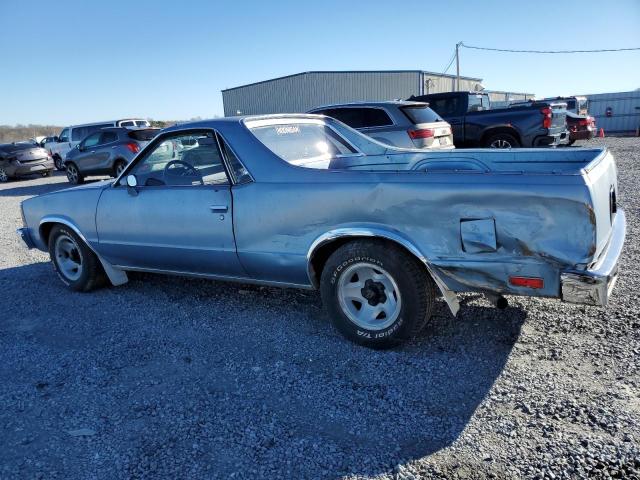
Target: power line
column 453, row 57
column 550, row 51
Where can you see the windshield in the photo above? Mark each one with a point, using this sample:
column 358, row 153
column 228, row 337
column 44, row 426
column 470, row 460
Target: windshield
column 311, row 145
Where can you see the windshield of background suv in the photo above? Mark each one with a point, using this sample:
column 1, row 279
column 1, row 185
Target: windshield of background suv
column 420, row 114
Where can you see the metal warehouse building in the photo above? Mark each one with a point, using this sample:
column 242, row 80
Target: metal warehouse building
column 616, row 112
column 303, row 91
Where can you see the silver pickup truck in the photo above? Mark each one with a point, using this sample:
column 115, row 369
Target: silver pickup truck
column 306, row 201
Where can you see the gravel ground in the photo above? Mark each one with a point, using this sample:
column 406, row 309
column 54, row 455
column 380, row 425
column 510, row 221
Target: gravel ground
column 180, row 378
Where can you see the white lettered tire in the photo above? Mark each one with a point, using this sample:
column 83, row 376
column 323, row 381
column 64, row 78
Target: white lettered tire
column 376, row 293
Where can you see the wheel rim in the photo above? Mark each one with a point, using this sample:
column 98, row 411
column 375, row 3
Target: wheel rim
column 369, row 296
column 500, row 143
column 68, row 257
column 3, row 175
column 119, row 169
column 72, row 174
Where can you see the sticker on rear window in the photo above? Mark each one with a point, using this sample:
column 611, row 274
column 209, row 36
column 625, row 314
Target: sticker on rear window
column 286, row 130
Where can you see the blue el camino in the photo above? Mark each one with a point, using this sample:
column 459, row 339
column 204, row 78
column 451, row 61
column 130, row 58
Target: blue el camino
column 305, row 201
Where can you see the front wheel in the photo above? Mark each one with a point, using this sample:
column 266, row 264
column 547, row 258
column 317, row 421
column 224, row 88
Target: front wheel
column 73, row 174
column 76, row 265
column 4, row 176
column 501, row 140
column 59, row 164
column 376, row 294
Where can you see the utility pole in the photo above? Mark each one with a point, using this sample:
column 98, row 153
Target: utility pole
column 458, row 66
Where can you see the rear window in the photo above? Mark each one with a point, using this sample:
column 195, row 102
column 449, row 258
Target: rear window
column 308, row 145
column 357, row 117
column 421, row 114
column 143, row 135
column 142, row 123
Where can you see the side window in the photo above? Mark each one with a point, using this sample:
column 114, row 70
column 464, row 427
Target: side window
column 311, row 145
column 91, row 141
column 128, row 123
column 360, row 117
column 78, row 133
column 445, row 107
column 108, row 137
column 64, row 135
column 184, row 159
column 239, row 172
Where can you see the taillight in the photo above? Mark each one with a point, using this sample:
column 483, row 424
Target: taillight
column 133, row 147
column 527, row 282
column 421, row 133
column 547, row 113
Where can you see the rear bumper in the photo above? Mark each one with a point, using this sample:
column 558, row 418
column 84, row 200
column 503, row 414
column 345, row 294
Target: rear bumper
column 551, row 140
column 24, row 234
column 586, row 134
column 594, row 286
column 29, row 168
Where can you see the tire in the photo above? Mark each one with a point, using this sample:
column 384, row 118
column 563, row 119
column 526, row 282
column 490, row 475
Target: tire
column 73, row 174
column 4, row 176
column 76, row 265
column 378, row 268
column 57, row 161
column 571, row 142
column 45, row 174
column 501, row 140
column 118, row 167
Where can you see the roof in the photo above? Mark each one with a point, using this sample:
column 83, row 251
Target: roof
column 380, row 103
column 351, row 71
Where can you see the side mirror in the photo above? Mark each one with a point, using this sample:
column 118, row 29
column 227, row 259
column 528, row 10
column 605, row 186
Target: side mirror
column 79, row 147
column 132, row 185
column 132, row 181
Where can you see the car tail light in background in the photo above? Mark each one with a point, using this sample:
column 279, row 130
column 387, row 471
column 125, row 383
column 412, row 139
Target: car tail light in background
column 527, row 282
column 133, row 147
column 421, row 133
column 547, row 113
column 585, row 122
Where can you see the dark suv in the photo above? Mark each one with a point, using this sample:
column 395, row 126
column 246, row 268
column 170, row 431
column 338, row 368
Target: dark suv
column 106, row 152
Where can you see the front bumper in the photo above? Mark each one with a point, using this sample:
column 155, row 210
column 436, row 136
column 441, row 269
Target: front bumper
column 594, row 286
column 24, row 234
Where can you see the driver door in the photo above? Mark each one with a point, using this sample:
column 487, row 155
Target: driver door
column 179, row 218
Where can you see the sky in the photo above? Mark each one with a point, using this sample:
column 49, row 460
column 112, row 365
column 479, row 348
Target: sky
column 69, row 62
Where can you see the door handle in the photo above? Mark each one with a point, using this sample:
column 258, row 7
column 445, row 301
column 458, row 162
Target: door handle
column 219, row 208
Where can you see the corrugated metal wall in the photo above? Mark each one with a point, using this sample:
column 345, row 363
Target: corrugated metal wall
column 438, row 83
column 625, row 108
column 299, row 93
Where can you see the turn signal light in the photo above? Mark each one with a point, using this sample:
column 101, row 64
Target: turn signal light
column 527, row 282
column 422, row 133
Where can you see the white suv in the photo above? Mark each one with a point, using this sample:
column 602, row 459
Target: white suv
column 71, row 136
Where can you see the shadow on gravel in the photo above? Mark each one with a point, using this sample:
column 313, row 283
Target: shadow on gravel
column 180, row 375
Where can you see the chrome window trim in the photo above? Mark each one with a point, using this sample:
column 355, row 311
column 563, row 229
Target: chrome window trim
column 313, row 121
column 159, row 139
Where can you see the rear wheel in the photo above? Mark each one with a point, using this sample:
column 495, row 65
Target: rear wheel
column 4, row 176
column 73, row 174
column 501, row 140
column 57, row 161
column 76, row 265
column 119, row 167
column 376, row 294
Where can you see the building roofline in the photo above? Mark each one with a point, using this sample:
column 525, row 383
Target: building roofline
column 350, row 71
